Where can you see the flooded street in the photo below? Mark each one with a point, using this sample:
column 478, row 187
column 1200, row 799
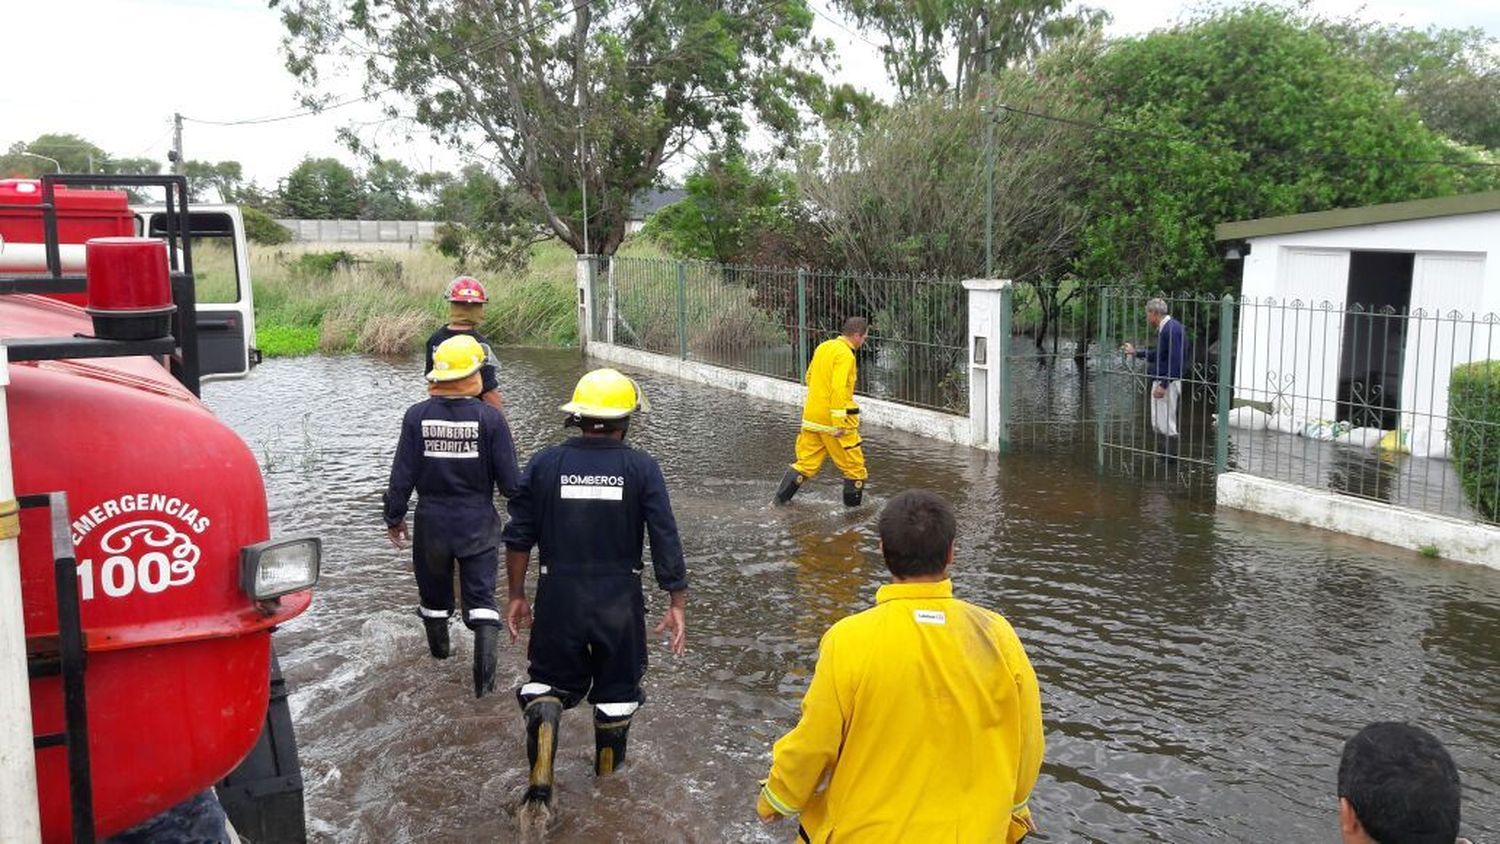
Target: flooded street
column 1199, row 670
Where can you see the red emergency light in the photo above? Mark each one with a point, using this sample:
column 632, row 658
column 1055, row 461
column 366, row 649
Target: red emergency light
column 129, row 288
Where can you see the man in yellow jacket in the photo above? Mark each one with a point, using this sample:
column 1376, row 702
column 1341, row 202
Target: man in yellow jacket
column 830, row 418
column 923, row 717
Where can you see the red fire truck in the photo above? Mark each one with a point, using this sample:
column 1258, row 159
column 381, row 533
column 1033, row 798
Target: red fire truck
column 150, row 580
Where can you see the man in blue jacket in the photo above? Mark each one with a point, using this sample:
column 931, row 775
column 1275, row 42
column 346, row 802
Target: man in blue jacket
column 455, row 450
column 586, row 505
column 1164, row 365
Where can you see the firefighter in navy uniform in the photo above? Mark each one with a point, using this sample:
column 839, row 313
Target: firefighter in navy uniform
column 455, row 450
column 466, row 298
column 586, row 505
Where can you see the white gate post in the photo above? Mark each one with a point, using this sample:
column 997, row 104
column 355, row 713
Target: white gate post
column 987, row 303
column 584, row 279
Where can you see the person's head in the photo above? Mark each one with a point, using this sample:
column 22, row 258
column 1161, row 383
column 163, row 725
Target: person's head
column 917, row 529
column 466, row 298
column 855, row 329
column 455, row 367
column 603, row 403
column 1397, row 785
column 1156, row 310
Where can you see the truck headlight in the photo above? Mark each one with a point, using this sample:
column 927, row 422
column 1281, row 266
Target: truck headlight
column 280, row 566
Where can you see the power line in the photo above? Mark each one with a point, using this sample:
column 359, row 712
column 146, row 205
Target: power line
column 494, row 40
column 840, row 24
column 1255, row 150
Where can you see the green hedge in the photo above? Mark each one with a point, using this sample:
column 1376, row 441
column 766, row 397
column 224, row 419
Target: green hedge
column 1474, row 431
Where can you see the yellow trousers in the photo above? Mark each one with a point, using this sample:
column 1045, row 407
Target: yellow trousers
column 847, row 452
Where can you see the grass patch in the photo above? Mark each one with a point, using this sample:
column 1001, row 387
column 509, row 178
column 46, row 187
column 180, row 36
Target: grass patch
column 385, row 299
column 1428, row 551
column 285, row 340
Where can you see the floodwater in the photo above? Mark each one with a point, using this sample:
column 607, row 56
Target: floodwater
column 1199, row 670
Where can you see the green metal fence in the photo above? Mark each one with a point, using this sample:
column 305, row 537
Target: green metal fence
column 1175, row 435
column 768, row 320
column 1388, row 404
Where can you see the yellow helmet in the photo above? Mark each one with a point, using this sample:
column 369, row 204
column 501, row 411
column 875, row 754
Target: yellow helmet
column 456, row 358
column 605, row 394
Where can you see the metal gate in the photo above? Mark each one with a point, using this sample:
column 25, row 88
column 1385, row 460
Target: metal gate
column 1133, row 427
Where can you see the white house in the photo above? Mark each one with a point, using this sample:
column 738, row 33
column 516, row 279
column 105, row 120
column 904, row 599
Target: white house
column 1355, row 318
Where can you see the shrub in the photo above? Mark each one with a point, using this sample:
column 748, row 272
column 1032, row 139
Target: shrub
column 322, row 264
column 260, row 228
column 1474, row 433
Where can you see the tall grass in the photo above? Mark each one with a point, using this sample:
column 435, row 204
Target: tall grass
column 385, row 299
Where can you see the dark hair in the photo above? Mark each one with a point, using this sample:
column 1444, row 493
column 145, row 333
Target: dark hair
column 916, row 531
column 1402, row 784
column 855, row 325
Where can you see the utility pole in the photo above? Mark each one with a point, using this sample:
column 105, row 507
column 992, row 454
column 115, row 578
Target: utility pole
column 176, row 155
column 988, row 113
column 583, row 181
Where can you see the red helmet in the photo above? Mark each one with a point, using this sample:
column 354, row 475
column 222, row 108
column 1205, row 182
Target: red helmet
column 466, row 289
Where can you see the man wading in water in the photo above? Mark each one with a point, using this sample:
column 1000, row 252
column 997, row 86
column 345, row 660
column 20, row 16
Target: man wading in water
column 454, row 450
column 466, row 298
column 1164, row 364
column 830, row 418
column 586, row 506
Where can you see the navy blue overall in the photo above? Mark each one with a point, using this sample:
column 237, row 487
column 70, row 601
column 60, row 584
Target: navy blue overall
column 455, row 452
column 587, row 505
column 487, row 371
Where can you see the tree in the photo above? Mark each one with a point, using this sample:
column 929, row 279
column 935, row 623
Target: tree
column 72, row 153
column 1242, row 114
column 601, row 94
column 225, row 178
column 322, row 189
column 728, row 210
column 388, row 186
column 484, row 221
column 1450, row 76
column 921, row 36
column 907, row 193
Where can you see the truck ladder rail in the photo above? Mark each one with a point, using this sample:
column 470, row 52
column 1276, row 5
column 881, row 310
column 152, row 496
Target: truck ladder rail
column 69, row 662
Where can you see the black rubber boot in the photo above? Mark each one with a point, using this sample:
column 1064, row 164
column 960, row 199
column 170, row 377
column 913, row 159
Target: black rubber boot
column 790, row 483
column 486, row 645
column 437, row 637
column 542, row 717
column 854, row 492
column 610, row 737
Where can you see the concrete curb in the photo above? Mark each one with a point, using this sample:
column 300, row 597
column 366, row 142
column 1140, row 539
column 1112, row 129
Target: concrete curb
column 886, row 414
column 1466, row 542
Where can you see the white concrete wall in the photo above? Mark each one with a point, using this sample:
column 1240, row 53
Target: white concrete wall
column 1290, row 357
column 1466, row 542
column 876, row 412
column 361, row 231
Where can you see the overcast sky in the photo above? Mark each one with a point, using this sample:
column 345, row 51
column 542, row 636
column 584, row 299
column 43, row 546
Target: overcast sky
column 96, row 68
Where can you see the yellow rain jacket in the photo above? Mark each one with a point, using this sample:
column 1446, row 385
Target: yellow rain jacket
column 925, row 721
column 830, row 388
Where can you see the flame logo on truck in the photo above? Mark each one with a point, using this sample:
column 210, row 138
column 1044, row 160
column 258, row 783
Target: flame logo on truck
column 147, row 539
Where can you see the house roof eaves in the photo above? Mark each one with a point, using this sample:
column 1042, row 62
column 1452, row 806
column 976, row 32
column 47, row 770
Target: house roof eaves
column 1392, row 212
